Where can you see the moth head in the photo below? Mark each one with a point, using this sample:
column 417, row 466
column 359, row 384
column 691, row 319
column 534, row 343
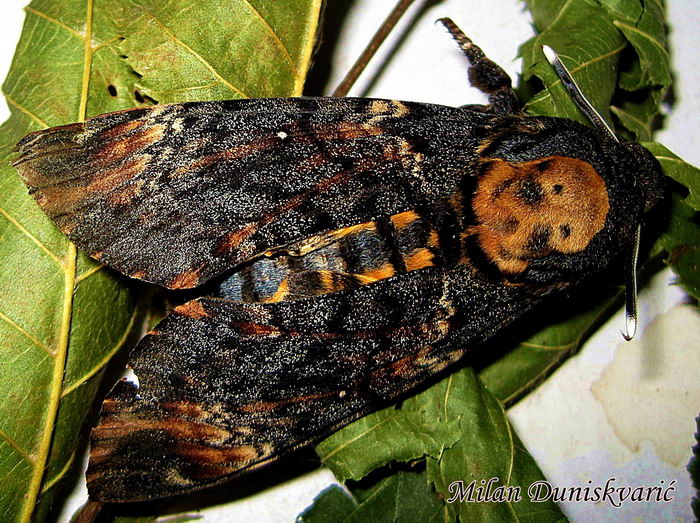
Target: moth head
column 634, row 177
column 649, row 175
column 556, row 201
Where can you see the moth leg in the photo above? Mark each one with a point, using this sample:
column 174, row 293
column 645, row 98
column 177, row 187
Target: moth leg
column 485, row 74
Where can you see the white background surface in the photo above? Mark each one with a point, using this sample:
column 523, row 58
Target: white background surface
column 617, row 410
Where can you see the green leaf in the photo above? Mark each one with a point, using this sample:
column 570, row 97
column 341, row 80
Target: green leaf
column 252, row 49
column 331, row 504
column 615, row 49
column 392, row 434
column 488, row 449
column 588, row 44
column 477, row 442
column 681, row 238
column 680, row 171
column 401, row 497
column 62, row 315
column 646, row 78
column 559, row 335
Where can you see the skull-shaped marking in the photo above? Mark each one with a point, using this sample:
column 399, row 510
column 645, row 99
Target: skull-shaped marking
column 532, row 209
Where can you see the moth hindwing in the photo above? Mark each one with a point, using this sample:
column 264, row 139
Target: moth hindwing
column 357, row 248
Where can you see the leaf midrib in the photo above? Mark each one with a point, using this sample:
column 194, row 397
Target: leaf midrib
column 69, row 271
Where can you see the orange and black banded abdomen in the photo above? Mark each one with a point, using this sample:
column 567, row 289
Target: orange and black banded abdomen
column 347, row 258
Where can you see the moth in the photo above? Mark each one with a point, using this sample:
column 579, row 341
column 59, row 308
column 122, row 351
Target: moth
column 349, row 250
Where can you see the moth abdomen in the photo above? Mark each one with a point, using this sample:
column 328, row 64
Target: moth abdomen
column 344, row 259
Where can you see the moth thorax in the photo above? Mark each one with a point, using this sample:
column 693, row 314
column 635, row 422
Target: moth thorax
column 528, row 210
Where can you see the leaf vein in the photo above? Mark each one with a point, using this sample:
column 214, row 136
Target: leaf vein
column 197, row 56
column 670, row 159
column 25, row 455
column 629, row 115
column 561, row 13
column 361, row 435
column 192, row 88
column 29, row 336
column 278, row 42
column 33, row 238
column 26, row 111
column 446, row 400
column 644, row 34
column 531, row 345
column 106, row 43
column 53, row 21
column 51, row 482
column 582, row 65
column 87, row 274
column 100, row 365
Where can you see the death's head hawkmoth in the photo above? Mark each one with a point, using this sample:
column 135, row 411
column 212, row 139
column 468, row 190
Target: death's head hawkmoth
column 357, row 247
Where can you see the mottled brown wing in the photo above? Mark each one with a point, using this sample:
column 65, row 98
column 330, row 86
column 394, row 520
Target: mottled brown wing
column 177, row 194
column 225, row 386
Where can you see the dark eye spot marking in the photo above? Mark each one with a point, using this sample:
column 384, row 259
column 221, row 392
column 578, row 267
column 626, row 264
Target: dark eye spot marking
column 530, row 192
column 112, row 90
column 557, row 188
column 501, row 188
column 543, row 165
column 510, row 225
column 538, row 243
column 565, row 230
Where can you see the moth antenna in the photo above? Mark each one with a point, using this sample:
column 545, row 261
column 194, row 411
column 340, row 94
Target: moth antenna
column 631, row 306
column 377, row 40
column 579, row 98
